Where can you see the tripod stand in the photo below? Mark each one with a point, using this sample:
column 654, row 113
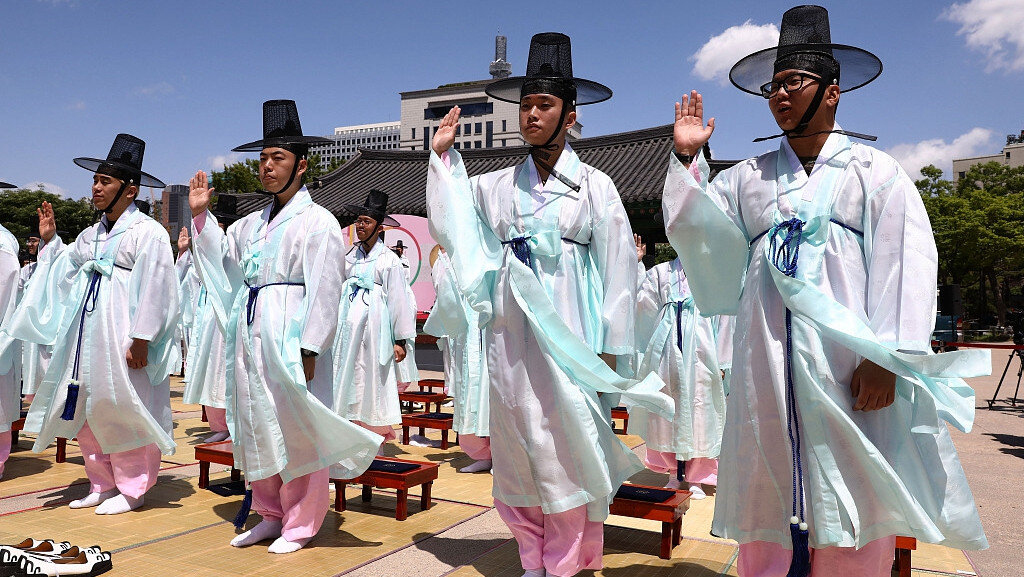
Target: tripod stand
column 1019, row 355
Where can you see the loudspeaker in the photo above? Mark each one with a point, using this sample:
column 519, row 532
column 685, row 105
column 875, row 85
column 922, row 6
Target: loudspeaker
column 950, row 301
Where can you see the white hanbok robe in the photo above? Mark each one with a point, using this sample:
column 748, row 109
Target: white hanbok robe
column 285, row 276
column 373, row 314
column 866, row 475
column 206, row 361
column 131, row 273
column 725, row 331
column 10, row 385
column 457, row 328
column 34, row 358
column 551, row 437
column 680, row 346
column 406, row 371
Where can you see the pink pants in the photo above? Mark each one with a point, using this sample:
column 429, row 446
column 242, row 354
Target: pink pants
column 476, row 448
column 697, row 470
column 763, row 559
column 386, row 431
column 131, row 472
column 300, row 504
column 218, row 419
column 5, row 449
column 563, row 544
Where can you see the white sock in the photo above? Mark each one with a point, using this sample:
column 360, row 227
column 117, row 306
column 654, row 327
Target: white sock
column 421, row 441
column 118, row 504
column 698, row 493
column 263, row 530
column 481, row 465
column 673, row 483
column 534, row 573
column 282, row 545
column 217, row 437
column 92, row 499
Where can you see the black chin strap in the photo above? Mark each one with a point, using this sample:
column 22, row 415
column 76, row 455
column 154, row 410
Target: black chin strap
column 366, row 247
column 542, row 153
column 797, row 132
column 110, row 207
column 291, row 179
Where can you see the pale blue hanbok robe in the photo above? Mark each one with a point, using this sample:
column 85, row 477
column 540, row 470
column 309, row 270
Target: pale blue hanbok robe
column 374, row 313
column 680, row 347
column 274, row 289
column 457, row 328
column 10, row 383
column 406, row 371
column 551, row 437
column 863, row 286
column 34, row 358
column 206, row 361
column 725, row 329
column 124, row 282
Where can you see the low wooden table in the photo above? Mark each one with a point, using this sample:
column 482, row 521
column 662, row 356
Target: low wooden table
column 623, row 414
column 901, row 563
column 220, row 453
column 669, row 510
column 417, row 473
column 431, row 384
column 425, row 397
column 440, row 421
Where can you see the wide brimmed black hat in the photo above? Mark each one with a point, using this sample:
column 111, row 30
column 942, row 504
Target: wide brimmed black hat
column 376, row 207
column 281, row 128
column 549, row 71
column 805, row 43
column 124, row 162
column 400, row 244
column 7, row 185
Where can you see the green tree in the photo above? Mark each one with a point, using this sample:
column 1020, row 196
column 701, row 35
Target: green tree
column 18, row 213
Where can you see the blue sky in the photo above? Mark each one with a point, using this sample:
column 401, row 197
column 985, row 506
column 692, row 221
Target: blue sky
column 189, row 77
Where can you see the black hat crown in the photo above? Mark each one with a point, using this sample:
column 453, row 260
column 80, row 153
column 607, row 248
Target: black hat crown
column 550, row 56
column 124, row 161
column 281, row 128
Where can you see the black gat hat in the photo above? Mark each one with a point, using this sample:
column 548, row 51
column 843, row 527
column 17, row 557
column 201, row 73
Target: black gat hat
column 376, row 207
column 123, row 162
column 281, row 128
column 549, row 71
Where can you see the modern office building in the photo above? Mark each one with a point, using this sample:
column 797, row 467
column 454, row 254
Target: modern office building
column 347, row 140
column 484, row 123
column 1012, row 156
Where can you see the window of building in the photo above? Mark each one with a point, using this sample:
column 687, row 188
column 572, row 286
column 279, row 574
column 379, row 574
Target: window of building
column 477, row 144
column 478, row 128
column 413, row 133
column 468, row 129
column 504, row 128
column 1007, row 154
column 489, row 134
column 503, row 142
column 472, row 109
column 456, row 145
column 962, row 174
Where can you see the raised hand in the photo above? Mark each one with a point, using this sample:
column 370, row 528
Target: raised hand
column 199, row 191
column 47, row 224
column 690, row 134
column 641, row 247
column 183, row 240
column 444, row 138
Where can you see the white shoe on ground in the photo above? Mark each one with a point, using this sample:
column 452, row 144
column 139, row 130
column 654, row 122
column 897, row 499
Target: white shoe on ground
column 119, row 504
column 92, row 499
column 697, row 492
column 282, row 545
column 263, row 530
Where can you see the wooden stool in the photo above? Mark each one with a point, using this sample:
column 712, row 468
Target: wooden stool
column 901, row 563
column 655, row 503
column 425, row 397
column 431, row 384
column 623, row 414
column 15, row 427
column 220, row 453
column 441, row 421
column 389, row 473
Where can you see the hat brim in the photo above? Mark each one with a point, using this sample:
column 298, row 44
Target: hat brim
column 145, row 179
column 510, row 89
column 857, row 67
column 280, row 142
column 356, row 210
column 7, row 185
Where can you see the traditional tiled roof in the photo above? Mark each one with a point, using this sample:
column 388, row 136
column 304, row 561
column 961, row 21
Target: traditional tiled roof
column 636, row 162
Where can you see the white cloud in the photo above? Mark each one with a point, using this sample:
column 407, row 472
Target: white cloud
column 157, row 89
column 48, row 187
column 220, row 161
column 716, row 57
column 995, row 27
column 914, row 157
column 77, row 105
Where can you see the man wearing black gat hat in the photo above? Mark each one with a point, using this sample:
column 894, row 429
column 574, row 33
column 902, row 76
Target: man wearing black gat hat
column 114, row 285
column 834, row 441
column 545, row 252
column 274, row 282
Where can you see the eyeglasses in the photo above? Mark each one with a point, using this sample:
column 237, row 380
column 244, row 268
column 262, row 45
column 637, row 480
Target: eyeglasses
column 791, row 83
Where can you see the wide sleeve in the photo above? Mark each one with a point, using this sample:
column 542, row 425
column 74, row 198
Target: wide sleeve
column 648, row 308
column 703, row 226
column 454, row 221
column 153, row 289
column 448, row 317
column 216, row 257
column 902, row 264
column 52, row 296
column 401, row 309
column 614, row 253
column 323, row 269
column 10, row 274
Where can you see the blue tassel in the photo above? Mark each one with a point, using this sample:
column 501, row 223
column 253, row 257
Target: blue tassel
column 801, row 564
column 70, row 403
column 243, row 511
